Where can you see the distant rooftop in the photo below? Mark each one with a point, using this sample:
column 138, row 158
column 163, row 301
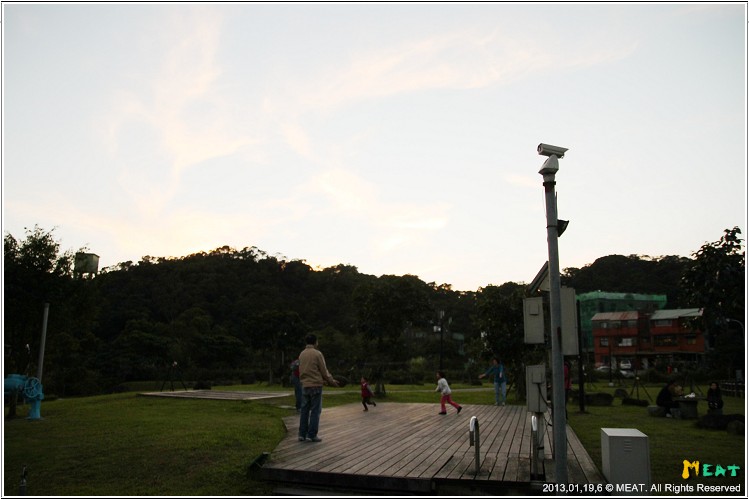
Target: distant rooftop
column 662, row 314
column 621, row 296
column 616, row 316
column 676, row 313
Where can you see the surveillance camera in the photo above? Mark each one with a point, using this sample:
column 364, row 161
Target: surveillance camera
column 548, row 150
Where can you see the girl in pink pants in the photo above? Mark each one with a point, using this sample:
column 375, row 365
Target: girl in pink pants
column 443, row 388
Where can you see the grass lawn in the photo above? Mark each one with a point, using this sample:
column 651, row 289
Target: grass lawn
column 125, row 445
column 671, row 441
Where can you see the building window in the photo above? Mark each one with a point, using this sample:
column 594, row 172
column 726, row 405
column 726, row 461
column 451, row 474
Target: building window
column 632, row 323
column 691, row 339
column 604, row 342
column 626, row 342
column 663, row 322
column 665, row 340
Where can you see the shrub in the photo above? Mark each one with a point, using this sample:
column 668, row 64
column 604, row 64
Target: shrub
column 398, row 377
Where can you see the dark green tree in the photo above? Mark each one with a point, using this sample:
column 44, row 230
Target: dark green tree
column 631, row 274
column 36, row 272
column 340, row 352
column 277, row 338
column 499, row 316
column 388, row 306
column 386, row 309
column 715, row 282
column 141, row 351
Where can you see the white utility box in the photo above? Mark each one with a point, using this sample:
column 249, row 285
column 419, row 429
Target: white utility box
column 533, row 320
column 625, row 454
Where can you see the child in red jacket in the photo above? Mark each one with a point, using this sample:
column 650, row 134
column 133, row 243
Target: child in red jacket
column 366, row 394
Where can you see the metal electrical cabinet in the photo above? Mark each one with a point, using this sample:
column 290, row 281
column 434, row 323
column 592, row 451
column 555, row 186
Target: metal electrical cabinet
column 535, row 388
column 625, row 454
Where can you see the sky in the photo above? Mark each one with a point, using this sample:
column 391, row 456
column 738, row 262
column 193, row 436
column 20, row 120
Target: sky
column 397, row 138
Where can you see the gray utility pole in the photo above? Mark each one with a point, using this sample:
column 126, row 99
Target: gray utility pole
column 549, row 170
column 43, row 342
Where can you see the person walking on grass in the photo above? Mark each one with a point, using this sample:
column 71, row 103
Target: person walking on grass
column 444, row 389
column 313, row 373
column 366, row 394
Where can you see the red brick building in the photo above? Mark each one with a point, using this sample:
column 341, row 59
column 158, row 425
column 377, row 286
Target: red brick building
column 639, row 340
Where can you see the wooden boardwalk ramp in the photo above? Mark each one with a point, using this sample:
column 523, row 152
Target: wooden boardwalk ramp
column 407, row 448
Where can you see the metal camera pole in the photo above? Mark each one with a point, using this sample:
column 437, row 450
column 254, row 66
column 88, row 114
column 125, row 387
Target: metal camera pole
column 549, row 170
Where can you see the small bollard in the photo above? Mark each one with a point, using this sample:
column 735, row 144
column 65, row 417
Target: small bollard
column 475, row 441
column 22, row 487
column 537, row 443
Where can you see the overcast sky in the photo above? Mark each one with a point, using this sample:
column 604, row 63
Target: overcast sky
column 397, row 138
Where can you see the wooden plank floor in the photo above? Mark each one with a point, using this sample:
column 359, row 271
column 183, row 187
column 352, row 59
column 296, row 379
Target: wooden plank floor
column 408, row 447
column 209, row 394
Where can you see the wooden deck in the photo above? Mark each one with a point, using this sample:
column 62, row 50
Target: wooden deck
column 409, row 448
column 209, row 394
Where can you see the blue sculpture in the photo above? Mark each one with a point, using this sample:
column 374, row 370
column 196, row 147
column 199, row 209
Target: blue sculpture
column 31, row 388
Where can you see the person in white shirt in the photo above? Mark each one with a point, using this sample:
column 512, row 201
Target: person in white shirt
column 444, row 388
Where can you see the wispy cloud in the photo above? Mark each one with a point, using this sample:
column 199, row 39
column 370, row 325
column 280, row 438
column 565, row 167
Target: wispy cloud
column 183, row 114
column 460, row 60
column 179, row 111
column 346, row 192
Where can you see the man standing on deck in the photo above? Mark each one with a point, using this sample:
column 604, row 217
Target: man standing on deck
column 313, row 373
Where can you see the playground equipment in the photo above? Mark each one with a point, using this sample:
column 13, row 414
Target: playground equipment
column 30, row 388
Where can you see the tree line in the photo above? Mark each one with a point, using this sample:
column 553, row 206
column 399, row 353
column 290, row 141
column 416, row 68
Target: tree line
column 231, row 314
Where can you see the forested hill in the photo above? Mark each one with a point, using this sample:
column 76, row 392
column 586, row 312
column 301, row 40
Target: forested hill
column 632, row 274
column 242, row 314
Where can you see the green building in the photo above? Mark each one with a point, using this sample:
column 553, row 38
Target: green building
column 592, row 303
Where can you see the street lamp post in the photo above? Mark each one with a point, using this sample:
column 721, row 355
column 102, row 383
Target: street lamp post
column 548, row 171
column 442, row 333
column 611, row 359
column 43, row 342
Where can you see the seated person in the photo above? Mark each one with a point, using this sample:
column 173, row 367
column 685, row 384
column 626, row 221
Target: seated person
column 714, row 399
column 665, row 398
